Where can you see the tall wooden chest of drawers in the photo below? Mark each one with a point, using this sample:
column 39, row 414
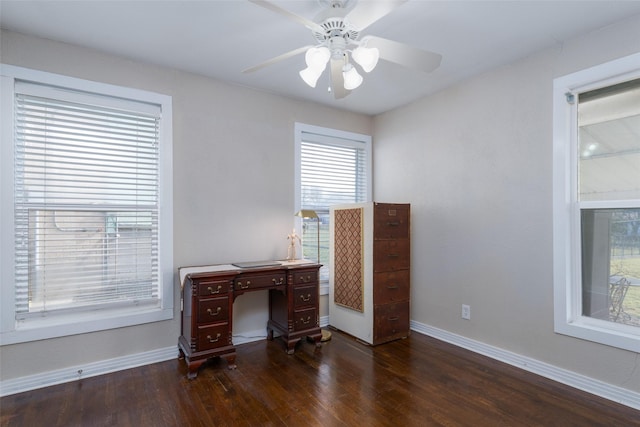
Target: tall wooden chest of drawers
column 369, row 271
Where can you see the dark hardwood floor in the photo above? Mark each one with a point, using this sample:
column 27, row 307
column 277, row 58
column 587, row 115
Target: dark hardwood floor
column 418, row 381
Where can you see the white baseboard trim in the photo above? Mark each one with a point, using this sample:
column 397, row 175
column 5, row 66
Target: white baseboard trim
column 74, row 373
column 572, row 379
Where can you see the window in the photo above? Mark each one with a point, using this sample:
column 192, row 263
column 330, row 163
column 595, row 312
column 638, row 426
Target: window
column 332, row 167
column 89, row 172
column 597, row 204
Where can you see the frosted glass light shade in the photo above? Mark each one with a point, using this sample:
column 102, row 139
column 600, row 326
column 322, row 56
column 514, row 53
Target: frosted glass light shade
column 311, row 75
column 352, row 79
column 317, row 57
column 367, row 58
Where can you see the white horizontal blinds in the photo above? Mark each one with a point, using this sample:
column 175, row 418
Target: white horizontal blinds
column 333, row 171
column 86, row 201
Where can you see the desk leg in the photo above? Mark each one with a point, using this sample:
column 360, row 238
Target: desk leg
column 231, row 361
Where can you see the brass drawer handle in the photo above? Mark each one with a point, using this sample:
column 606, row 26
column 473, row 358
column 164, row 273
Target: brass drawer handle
column 393, row 255
column 244, row 286
column 211, row 340
column 280, row 281
column 212, row 292
column 307, row 299
column 393, row 319
column 305, row 279
column 392, row 287
column 393, row 224
column 306, row 322
column 212, row 313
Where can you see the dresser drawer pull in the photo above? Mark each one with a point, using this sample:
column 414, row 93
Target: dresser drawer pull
column 393, row 223
column 212, row 292
column 306, row 279
column 211, row 313
column 392, row 287
column 280, row 281
column 307, row 299
column 306, row 322
column 211, row 340
column 244, row 286
column 393, row 255
column 393, row 319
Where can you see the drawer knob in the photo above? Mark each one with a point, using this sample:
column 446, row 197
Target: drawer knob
column 212, row 313
column 306, row 322
column 280, row 281
column 306, row 279
column 244, row 286
column 212, row 340
column 307, row 299
column 212, row 292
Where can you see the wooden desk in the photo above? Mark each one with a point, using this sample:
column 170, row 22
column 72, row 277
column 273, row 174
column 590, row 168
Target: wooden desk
column 208, row 294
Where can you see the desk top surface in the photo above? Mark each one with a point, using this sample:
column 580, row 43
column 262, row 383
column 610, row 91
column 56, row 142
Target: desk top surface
column 217, row 268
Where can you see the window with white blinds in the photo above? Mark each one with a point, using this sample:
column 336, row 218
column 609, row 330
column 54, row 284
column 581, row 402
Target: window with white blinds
column 334, row 167
column 86, row 203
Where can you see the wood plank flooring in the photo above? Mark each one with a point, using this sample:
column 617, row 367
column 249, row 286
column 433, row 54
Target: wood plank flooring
column 418, row 381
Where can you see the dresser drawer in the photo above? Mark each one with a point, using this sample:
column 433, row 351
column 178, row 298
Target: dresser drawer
column 213, row 336
column 250, row 281
column 213, row 309
column 212, row 287
column 389, row 255
column 305, row 277
column 391, row 287
column 305, row 295
column 391, row 221
column 391, row 321
column 305, row 319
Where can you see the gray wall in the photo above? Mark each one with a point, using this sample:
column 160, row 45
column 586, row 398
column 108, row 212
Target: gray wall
column 475, row 162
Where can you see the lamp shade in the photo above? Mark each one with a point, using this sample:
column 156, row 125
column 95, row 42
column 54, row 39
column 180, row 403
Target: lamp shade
column 367, row 58
column 352, row 79
column 317, row 57
column 306, row 213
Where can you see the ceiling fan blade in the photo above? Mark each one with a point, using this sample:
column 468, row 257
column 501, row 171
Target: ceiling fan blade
column 277, row 59
column 275, row 8
column 405, row 55
column 337, row 80
column 366, row 13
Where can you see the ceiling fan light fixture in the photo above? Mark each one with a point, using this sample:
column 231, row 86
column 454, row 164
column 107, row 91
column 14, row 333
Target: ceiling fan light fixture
column 352, row 79
column 366, row 57
column 310, row 75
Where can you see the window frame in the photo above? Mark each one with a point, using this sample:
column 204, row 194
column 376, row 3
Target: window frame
column 567, row 275
column 331, row 135
column 65, row 324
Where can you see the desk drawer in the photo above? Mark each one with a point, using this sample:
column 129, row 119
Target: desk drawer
column 305, row 295
column 213, row 309
column 305, row 319
column 213, row 336
column 305, row 277
column 250, row 282
column 212, row 287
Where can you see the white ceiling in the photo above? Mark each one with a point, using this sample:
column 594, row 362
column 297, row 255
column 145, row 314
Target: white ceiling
column 220, row 38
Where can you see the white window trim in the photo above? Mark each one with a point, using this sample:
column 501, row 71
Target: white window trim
column 568, row 319
column 10, row 332
column 328, row 133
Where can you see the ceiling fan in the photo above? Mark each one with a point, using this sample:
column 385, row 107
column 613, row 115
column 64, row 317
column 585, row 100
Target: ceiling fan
column 337, row 31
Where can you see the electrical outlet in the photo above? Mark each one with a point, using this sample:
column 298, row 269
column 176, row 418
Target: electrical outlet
column 466, row 311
